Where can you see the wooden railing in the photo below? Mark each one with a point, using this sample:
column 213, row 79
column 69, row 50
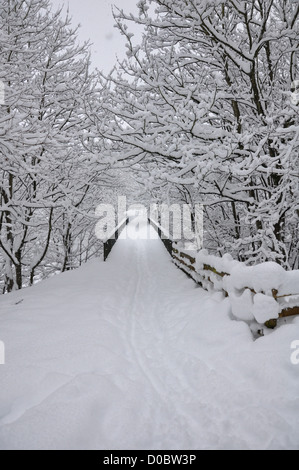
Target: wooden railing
column 113, row 237
column 186, row 262
column 209, row 274
column 168, row 243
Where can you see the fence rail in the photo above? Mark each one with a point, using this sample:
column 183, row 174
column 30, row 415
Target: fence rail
column 209, row 274
column 165, row 238
column 113, row 237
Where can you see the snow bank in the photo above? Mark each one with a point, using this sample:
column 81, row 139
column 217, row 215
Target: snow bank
column 242, row 305
column 128, row 354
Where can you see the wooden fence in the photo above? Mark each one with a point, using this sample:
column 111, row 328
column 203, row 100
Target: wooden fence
column 187, row 264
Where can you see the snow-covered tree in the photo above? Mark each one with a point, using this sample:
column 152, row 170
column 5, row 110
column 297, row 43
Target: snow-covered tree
column 204, row 104
column 48, row 181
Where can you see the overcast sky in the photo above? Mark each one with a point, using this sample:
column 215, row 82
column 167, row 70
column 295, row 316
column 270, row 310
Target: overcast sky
column 97, row 22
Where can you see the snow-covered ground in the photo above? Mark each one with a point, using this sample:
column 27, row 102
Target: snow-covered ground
column 131, row 354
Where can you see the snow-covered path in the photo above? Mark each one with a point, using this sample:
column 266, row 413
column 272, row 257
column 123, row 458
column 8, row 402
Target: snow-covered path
column 130, row 354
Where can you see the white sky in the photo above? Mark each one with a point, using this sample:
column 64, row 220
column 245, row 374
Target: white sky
column 96, row 20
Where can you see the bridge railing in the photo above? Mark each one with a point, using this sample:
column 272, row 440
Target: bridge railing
column 163, row 234
column 112, row 238
column 254, row 291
